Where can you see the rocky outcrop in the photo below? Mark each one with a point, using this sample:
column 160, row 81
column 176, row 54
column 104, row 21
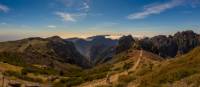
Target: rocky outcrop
column 186, row 41
column 171, row 46
column 125, row 43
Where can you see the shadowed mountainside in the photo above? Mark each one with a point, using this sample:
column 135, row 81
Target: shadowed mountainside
column 97, row 49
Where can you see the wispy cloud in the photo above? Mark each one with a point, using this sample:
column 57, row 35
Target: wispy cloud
column 85, row 6
column 69, row 17
column 51, row 26
column 3, row 23
column 4, row 8
column 77, row 4
column 159, row 8
column 66, row 16
column 80, row 8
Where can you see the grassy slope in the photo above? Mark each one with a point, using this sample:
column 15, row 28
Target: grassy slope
column 183, row 71
column 121, row 64
column 175, row 70
column 6, row 67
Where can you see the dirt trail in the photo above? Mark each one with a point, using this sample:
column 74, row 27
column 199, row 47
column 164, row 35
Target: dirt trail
column 114, row 77
column 137, row 62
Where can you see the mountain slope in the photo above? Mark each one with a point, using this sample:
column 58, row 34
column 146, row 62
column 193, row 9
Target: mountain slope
column 174, row 71
column 97, row 49
column 49, row 51
column 124, row 63
column 129, row 69
column 182, row 71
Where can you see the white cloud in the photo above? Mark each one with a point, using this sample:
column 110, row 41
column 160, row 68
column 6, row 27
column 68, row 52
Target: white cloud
column 69, row 17
column 114, row 36
column 66, row 16
column 51, row 26
column 4, row 8
column 77, row 4
column 159, row 8
column 85, row 7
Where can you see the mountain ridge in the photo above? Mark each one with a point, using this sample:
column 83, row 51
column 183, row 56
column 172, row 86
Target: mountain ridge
column 44, row 47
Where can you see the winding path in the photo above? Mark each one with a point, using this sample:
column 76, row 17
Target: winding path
column 114, row 77
column 137, row 62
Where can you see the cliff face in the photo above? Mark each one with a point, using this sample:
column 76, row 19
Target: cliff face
column 180, row 43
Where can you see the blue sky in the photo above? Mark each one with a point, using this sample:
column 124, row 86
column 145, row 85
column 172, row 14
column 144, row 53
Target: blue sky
column 82, row 18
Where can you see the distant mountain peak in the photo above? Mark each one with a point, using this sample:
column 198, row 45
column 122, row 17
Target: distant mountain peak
column 55, row 38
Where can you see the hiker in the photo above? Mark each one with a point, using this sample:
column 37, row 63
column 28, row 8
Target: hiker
column 108, row 79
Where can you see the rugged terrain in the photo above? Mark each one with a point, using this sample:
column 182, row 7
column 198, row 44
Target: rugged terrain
column 96, row 49
column 160, row 61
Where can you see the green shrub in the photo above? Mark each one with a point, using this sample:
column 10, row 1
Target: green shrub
column 35, row 70
column 127, row 66
column 20, row 76
column 120, row 84
column 68, row 82
column 12, row 58
column 96, row 73
column 126, row 78
column 12, row 73
column 94, row 76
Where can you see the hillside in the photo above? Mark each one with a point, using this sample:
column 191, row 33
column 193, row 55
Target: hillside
column 178, row 72
column 39, row 60
column 134, row 68
column 160, row 61
column 136, row 61
column 97, row 49
column 47, row 51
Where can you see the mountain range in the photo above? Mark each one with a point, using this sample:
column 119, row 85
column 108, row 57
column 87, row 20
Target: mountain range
column 159, row 61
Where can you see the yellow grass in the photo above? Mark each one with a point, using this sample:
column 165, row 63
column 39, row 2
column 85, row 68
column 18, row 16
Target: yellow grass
column 42, row 77
column 8, row 67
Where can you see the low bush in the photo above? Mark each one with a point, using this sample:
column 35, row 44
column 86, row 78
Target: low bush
column 35, row 70
column 68, row 82
column 23, row 77
column 126, row 78
column 12, row 58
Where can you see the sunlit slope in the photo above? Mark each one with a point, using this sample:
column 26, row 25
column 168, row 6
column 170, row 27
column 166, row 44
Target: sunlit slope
column 124, row 64
column 185, row 70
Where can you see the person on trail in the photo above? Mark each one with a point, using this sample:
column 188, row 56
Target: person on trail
column 108, row 78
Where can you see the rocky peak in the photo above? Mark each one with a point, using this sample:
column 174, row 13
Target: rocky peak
column 125, row 43
column 185, row 34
